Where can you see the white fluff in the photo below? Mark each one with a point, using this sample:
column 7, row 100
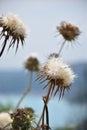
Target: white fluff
column 12, row 22
column 4, row 120
column 56, row 69
column 34, row 55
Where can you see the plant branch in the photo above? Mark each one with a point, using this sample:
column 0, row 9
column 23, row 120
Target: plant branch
column 62, row 47
column 46, row 98
column 26, row 91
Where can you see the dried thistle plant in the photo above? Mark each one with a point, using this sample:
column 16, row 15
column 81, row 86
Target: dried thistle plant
column 57, row 74
column 32, row 63
column 23, row 119
column 58, row 77
column 69, row 32
column 12, row 28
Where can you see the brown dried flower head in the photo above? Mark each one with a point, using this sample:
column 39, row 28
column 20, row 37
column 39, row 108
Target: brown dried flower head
column 57, row 74
column 32, row 63
column 23, row 119
column 12, row 28
column 69, row 31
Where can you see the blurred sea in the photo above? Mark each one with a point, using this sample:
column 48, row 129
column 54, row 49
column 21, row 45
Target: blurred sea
column 70, row 110
column 61, row 112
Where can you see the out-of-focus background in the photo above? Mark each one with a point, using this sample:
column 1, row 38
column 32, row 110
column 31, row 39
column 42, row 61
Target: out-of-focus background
column 41, row 18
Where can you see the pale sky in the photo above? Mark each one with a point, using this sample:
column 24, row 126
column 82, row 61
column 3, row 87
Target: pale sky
column 41, row 18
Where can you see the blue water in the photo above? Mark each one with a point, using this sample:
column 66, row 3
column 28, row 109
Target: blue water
column 61, row 112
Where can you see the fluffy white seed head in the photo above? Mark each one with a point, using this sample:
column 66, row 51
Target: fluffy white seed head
column 12, row 22
column 13, row 29
column 4, row 120
column 58, row 75
column 56, row 69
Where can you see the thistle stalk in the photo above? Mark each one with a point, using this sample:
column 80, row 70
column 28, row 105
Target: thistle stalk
column 45, row 99
column 62, row 47
column 26, row 91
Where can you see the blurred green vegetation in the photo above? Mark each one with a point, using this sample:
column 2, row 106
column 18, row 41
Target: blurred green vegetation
column 6, row 107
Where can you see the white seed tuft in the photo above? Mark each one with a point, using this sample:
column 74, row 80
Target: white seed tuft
column 56, row 69
column 5, row 119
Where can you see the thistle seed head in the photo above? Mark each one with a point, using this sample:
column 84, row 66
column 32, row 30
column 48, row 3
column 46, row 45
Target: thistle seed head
column 23, row 118
column 5, row 119
column 32, row 63
column 13, row 28
column 58, row 74
column 69, row 31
